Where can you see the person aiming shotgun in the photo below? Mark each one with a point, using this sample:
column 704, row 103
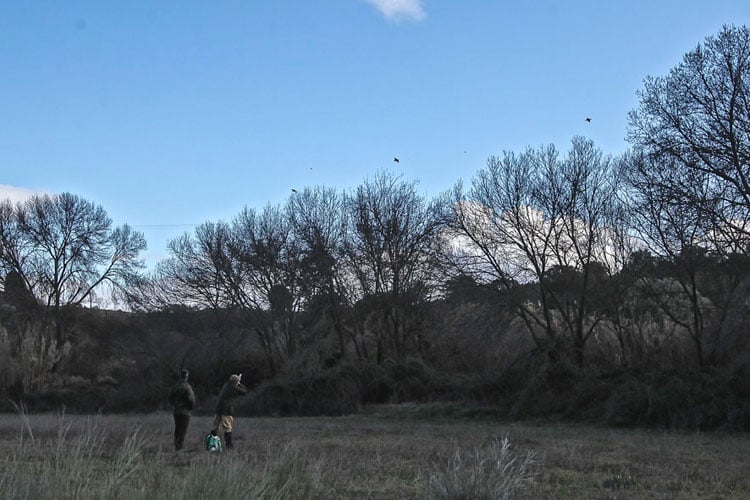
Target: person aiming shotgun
column 224, row 420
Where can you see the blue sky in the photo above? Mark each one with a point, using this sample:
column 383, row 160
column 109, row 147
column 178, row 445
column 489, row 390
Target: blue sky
column 173, row 113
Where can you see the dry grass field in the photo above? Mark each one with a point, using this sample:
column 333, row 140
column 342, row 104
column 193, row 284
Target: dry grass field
column 386, row 452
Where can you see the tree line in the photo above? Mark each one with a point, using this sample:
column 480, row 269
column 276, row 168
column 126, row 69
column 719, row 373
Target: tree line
column 554, row 283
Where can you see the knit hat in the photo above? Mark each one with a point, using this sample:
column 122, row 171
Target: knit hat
column 234, row 378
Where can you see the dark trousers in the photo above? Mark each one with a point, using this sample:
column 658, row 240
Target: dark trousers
column 181, row 423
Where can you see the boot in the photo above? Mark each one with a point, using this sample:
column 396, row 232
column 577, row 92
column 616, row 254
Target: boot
column 228, row 439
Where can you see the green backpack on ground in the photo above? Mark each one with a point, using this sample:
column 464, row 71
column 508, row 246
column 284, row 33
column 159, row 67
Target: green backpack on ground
column 213, row 442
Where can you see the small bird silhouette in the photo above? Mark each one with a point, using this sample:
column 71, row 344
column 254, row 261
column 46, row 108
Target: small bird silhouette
column 588, row 120
column 395, row 159
column 294, row 190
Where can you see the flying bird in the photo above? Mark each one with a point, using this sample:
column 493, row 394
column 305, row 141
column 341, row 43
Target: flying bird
column 395, row 159
column 588, row 120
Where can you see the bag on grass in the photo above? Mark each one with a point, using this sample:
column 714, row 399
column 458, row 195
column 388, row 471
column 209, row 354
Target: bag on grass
column 213, row 442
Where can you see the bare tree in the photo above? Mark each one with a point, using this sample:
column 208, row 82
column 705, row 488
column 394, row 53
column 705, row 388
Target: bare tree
column 690, row 171
column 586, row 186
column 537, row 222
column 502, row 236
column 199, row 269
column 391, row 251
column 319, row 220
column 674, row 228
column 250, row 268
column 66, row 251
column 58, row 253
column 267, row 280
column 696, row 121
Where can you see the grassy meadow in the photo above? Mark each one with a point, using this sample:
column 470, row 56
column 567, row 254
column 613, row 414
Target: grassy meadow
column 404, row 451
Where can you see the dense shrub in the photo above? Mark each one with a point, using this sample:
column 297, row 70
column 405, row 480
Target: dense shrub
column 374, row 382
column 412, row 380
column 628, row 404
column 589, row 395
column 679, row 399
column 327, row 393
column 344, row 388
column 274, row 397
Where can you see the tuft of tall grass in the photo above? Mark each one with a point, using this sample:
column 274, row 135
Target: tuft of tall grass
column 69, row 464
column 20, row 409
column 490, row 473
column 232, row 475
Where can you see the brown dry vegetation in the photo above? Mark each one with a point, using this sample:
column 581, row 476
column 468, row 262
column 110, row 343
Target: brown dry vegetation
column 386, row 452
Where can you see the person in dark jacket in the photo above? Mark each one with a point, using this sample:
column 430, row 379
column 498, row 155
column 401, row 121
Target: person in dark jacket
column 224, row 419
column 182, row 399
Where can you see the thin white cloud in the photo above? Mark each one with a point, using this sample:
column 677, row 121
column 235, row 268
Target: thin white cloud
column 400, row 10
column 16, row 194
